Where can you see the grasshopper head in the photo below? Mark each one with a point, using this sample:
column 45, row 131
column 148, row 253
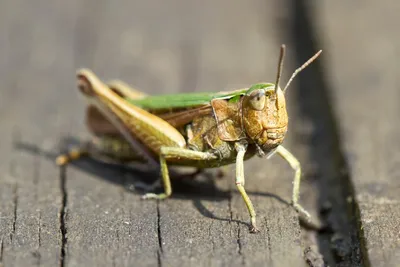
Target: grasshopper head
column 264, row 111
column 265, row 117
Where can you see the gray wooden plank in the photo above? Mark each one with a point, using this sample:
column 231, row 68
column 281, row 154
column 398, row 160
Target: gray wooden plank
column 361, row 60
column 218, row 69
column 162, row 65
column 27, row 77
column 106, row 224
column 159, row 47
column 317, row 140
column 7, row 187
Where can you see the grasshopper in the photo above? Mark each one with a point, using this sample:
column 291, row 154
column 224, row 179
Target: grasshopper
column 202, row 130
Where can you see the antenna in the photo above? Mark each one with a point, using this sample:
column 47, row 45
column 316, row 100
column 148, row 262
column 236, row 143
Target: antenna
column 280, row 65
column 308, row 62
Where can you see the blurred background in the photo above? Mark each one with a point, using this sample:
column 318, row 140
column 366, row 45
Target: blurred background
column 342, row 126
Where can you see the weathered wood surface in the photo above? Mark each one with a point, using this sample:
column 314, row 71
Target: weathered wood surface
column 363, row 60
column 88, row 214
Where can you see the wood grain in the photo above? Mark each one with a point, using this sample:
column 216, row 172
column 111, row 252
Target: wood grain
column 90, row 214
column 362, row 62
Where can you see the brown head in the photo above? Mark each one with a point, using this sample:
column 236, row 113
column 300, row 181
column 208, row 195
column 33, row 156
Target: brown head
column 264, row 114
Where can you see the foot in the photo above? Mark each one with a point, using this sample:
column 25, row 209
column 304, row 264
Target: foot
column 253, row 226
column 301, row 210
column 155, row 196
column 254, row 229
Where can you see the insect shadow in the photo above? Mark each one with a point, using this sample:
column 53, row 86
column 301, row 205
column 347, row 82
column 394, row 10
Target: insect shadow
column 195, row 186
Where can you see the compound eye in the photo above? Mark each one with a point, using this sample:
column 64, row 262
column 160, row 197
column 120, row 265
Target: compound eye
column 257, row 99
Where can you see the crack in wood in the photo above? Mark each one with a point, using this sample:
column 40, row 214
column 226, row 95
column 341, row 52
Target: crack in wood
column 16, row 136
column 268, row 239
column 62, row 215
column 40, row 230
column 160, row 246
column 336, row 187
column 15, row 202
column 37, row 253
column 1, row 250
column 239, row 243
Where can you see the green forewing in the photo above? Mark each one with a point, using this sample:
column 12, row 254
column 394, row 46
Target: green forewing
column 186, row 100
column 183, row 100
